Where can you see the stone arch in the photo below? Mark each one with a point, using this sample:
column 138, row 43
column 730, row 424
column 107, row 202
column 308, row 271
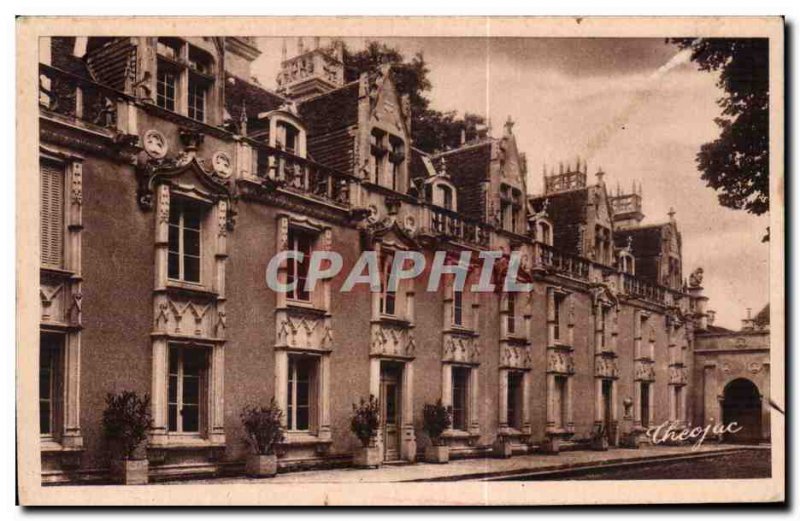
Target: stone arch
column 742, row 403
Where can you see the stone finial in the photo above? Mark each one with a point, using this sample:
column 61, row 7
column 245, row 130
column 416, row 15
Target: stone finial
column 509, row 126
column 600, row 175
column 671, row 214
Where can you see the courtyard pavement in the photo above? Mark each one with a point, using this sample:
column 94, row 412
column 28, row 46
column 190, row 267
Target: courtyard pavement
column 483, row 468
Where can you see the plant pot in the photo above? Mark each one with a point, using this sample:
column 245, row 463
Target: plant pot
column 600, row 444
column 437, row 454
column 131, row 471
column 261, row 465
column 367, row 457
column 502, row 448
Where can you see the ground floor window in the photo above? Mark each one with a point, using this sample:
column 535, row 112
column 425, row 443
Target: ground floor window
column 460, row 402
column 644, row 404
column 187, row 389
column 301, row 393
column 677, row 395
column 514, row 412
column 560, row 401
column 50, row 355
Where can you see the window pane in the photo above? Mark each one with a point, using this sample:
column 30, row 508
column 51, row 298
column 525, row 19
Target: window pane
column 302, row 419
column 173, row 417
column 191, row 269
column 191, row 242
column 191, row 418
column 460, row 382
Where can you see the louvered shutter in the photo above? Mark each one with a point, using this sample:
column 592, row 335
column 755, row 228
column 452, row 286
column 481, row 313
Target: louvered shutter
column 52, row 214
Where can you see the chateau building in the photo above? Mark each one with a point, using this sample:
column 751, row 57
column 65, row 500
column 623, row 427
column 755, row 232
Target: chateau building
column 169, row 179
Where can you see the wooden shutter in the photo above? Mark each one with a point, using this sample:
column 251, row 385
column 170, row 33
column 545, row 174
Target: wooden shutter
column 52, row 214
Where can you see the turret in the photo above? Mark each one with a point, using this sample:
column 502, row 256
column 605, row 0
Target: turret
column 311, row 72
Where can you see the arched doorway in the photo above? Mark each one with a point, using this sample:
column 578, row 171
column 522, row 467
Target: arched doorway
column 741, row 403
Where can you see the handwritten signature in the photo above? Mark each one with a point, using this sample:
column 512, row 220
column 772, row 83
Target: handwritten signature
column 669, row 432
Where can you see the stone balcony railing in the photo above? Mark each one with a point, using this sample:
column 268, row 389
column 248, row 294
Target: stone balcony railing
column 449, row 225
column 638, row 288
column 550, row 259
column 72, row 96
column 303, row 176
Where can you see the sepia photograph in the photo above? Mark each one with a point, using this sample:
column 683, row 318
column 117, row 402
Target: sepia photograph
column 424, row 261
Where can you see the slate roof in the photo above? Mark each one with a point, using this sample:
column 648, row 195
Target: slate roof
column 762, row 318
column 255, row 99
column 331, row 110
column 61, row 56
column 468, row 168
column 646, row 244
column 567, row 211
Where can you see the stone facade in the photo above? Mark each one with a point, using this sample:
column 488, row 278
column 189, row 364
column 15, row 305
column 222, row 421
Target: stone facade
column 176, row 182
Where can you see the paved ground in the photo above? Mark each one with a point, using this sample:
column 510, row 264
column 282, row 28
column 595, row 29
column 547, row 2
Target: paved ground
column 751, row 464
column 499, row 468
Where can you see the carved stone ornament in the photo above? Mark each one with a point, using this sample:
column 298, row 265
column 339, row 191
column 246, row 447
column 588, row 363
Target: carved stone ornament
column 222, row 164
column 155, row 144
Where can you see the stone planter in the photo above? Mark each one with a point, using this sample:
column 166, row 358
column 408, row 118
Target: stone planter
column 367, row 457
column 261, row 465
column 131, row 471
column 600, row 443
column 437, row 453
column 502, row 448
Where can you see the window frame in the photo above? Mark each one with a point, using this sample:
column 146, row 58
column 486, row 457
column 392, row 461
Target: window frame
column 311, row 364
column 515, row 382
column 54, row 343
column 458, row 308
column 179, row 204
column 299, row 294
column 386, row 294
column 511, row 314
column 56, row 170
column 202, row 389
column 460, row 392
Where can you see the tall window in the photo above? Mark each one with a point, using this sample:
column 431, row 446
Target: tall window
column 289, row 137
column 514, row 218
column 297, row 271
column 446, row 195
column 514, row 406
column 644, row 404
column 184, row 241
column 544, row 233
column 187, row 388
column 458, row 307
column 511, row 313
column 300, row 392
column 388, row 295
column 52, row 213
column 460, row 397
column 197, row 99
column 377, row 154
column 603, row 318
column 560, row 401
column 558, row 301
column 166, row 87
column 50, row 348
column 396, row 159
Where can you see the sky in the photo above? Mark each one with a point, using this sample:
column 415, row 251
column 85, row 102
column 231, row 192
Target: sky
column 637, row 108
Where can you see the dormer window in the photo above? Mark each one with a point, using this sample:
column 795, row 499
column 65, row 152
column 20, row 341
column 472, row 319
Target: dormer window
column 396, row 158
column 377, row 152
column 445, row 196
column 286, row 131
column 627, row 263
column 184, row 77
column 544, row 232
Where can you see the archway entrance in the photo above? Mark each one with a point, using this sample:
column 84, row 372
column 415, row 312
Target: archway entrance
column 741, row 403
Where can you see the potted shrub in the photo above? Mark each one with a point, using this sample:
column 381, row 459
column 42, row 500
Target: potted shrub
column 436, row 418
column 126, row 421
column 599, row 438
column 264, row 428
column 365, row 423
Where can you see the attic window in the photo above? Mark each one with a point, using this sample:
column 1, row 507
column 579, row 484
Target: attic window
column 184, row 78
column 169, row 48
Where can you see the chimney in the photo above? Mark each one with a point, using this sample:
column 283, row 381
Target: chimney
column 711, row 316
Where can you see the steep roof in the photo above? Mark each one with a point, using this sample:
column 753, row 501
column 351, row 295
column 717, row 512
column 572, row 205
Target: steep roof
column 567, row 211
column 254, row 98
column 468, row 168
column 762, row 318
column 62, row 57
column 331, row 110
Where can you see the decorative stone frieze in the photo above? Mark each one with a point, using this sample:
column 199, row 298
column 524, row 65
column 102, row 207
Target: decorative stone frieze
column 392, row 339
column 461, row 348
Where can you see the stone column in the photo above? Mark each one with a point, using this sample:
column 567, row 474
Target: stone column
column 71, row 434
column 447, row 385
column 158, row 392
column 502, row 401
column 637, row 404
column 324, row 418
column 474, row 405
column 408, row 449
column 651, row 403
column 570, row 423
column 282, row 382
column 551, row 391
column 217, row 416
column 526, row 406
column 598, row 400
